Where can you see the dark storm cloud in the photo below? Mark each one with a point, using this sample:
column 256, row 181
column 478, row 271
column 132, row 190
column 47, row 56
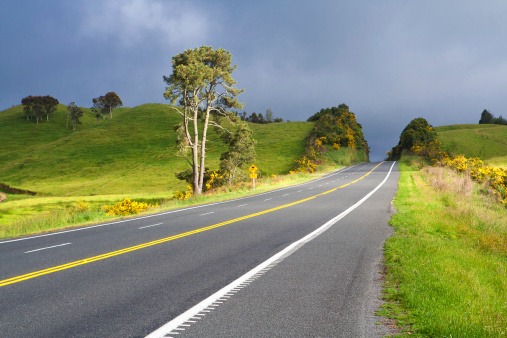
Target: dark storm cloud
column 390, row 61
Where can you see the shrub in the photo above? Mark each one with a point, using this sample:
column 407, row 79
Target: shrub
column 183, row 195
column 127, row 207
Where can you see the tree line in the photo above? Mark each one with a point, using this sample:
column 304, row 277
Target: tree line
column 488, row 118
column 254, row 118
column 36, row 107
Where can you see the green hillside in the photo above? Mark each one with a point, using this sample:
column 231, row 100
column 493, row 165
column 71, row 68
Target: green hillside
column 133, row 152
column 487, row 141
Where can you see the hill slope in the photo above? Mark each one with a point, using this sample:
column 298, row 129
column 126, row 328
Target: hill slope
column 487, row 141
column 133, row 152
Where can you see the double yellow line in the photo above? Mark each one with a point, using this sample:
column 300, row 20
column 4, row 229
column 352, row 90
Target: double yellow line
column 163, row 240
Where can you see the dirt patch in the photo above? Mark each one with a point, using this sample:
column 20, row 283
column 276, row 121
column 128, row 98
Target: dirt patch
column 15, row 190
column 3, row 197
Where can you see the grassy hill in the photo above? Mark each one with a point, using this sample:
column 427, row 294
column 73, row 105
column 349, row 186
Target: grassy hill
column 487, row 141
column 133, row 152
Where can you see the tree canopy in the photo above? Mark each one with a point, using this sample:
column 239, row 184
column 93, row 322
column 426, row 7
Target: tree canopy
column 417, row 133
column 74, row 113
column 38, row 106
column 338, row 126
column 202, row 84
column 105, row 105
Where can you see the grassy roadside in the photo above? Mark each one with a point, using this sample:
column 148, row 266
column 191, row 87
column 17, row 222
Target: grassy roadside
column 446, row 265
column 57, row 213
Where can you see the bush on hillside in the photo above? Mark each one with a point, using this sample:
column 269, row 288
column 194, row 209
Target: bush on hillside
column 418, row 138
column 336, row 127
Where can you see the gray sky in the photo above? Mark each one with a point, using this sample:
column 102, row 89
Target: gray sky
column 389, row 61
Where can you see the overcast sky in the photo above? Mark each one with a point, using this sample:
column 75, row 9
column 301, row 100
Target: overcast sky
column 389, row 61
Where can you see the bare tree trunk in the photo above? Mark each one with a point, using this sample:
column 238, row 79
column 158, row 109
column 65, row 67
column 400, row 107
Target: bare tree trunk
column 203, row 149
column 195, row 159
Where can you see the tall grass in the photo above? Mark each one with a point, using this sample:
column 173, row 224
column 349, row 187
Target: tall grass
column 447, row 262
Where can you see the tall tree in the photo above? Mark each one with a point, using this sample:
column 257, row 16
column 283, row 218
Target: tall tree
column 486, row 117
column 202, row 83
column 241, row 151
column 74, row 113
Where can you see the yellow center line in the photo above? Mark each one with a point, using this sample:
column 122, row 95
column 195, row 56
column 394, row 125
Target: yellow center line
column 163, row 240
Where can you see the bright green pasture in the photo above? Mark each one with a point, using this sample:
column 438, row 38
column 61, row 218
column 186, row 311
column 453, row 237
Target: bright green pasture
column 487, row 141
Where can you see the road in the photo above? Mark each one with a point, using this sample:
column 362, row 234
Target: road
column 299, row 261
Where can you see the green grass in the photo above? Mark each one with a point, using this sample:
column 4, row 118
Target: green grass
column 447, row 262
column 487, row 141
column 279, row 145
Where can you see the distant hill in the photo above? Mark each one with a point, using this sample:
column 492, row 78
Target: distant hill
column 487, row 141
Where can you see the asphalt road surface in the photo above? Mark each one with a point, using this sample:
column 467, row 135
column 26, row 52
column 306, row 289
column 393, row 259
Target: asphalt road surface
column 300, row 261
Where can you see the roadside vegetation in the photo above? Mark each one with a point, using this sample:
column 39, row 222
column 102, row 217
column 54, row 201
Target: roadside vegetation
column 74, row 174
column 446, row 265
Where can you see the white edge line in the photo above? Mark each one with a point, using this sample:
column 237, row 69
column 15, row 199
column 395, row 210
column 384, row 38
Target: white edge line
column 49, row 247
column 173, row 211
column 185, row 316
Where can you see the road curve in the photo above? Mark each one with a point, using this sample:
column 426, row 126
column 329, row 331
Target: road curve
column 132, row 277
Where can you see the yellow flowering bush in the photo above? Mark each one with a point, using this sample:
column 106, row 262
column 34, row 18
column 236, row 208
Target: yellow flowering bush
column 183, row 195
column 215, row 180
column 304, row 164
column 127, row 207
column 495, row 177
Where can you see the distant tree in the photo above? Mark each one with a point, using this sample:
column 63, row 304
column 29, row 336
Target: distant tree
column 499, row 120
column 486, row 117
column 74, row 113
column 201, row 82
column 241, row 151
column 112, row 101
column 33, row 106
column 49, row 104
column 262, row 120
column 278, row 120
column 98, row 108
column 269, row 116
column 27, row 103
column 105, row 104
column 254, row 118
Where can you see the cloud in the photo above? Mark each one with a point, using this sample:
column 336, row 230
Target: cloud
column 133, row 21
